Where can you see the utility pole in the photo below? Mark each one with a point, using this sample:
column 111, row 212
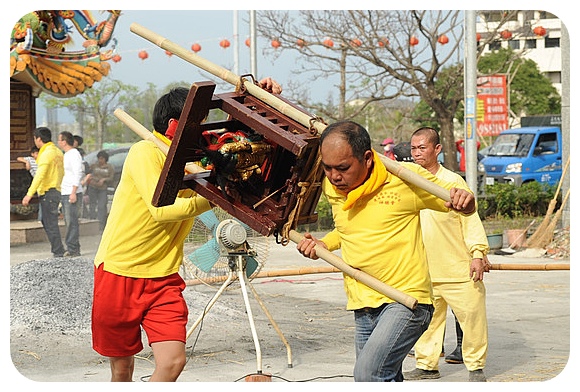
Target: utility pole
column 236, row 44
column 253, row 45
column 470, row 94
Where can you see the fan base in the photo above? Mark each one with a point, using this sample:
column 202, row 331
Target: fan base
column 259, row 378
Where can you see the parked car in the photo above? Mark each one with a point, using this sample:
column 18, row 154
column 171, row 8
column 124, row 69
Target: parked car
column 521, row 155
column 116, row 158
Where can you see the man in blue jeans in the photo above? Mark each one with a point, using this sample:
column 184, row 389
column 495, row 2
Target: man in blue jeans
column 377, row 228
column 71, row 192
column 46, row 183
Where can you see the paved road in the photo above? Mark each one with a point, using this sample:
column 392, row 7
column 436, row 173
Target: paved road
column 528, row 313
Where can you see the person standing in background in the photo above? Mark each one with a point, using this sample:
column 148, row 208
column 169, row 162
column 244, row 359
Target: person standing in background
column 101, row 174
column 46, row 183
column 71, row 193
column 388, row 146
column 456, row 247
column 30, row 163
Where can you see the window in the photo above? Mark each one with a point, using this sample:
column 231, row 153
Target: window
column 514, row 43
column 547, row 15
column 530, row 44
column 495, row 45
column 552, row 43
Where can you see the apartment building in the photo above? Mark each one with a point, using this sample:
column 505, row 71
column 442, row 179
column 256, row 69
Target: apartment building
column 536, row 34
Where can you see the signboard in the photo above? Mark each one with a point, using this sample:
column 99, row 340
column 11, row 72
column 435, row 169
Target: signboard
column 492, row 108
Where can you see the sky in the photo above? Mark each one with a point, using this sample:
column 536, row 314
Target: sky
column 204, row 27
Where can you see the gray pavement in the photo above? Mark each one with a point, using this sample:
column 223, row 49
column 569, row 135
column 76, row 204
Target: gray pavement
column 528, row 314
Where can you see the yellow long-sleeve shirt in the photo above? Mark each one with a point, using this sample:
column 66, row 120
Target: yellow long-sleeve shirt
column 450, row 253
column 381, row 235
column 140, row 240
column 50, row 171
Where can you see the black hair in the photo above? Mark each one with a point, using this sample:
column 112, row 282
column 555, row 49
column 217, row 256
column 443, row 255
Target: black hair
column 67, row 137
column 432, row 134
column 169, row 106
column 79, row 139
column 103, row 154
column 355, row 135
column 44, row 133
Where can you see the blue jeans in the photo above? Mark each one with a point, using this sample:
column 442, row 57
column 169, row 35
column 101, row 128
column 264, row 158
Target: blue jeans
column 98, row 200
column 384, row 336
column 71, row 220
column 49, row 203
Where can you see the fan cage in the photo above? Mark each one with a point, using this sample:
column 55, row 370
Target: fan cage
column 215, row 277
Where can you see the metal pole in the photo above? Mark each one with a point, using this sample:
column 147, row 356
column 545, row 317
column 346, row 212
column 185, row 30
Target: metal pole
column 236, row 45
column 253, row 45
column 470, row 82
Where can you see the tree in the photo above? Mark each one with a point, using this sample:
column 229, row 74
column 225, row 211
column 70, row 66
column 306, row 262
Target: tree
column 379, row 55
column 93, row 109
column 530, row 92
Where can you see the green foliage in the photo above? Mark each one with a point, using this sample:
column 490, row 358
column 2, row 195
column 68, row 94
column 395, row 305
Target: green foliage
column 325, row 221
column 510, row 201
column 531, row 93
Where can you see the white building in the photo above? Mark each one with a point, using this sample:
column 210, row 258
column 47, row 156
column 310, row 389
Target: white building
column 536, row 34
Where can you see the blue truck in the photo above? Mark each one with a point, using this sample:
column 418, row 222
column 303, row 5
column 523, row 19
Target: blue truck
column 526, row 154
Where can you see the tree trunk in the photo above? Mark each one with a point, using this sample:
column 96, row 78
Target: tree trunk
column 448, row 143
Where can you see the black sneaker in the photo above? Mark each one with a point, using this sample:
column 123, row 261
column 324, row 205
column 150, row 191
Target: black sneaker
column 477, row 376
column 421, row 374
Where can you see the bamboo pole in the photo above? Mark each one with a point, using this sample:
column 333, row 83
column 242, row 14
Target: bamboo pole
column 145, row 134
column 359, row 275
column 281, row 106
column 329, row 270
column 530, row 267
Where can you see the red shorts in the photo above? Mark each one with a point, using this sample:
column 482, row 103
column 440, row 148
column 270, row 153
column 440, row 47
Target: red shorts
column 121, row 305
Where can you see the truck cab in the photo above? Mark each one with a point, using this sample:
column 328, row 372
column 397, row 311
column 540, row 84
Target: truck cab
column 521, row 155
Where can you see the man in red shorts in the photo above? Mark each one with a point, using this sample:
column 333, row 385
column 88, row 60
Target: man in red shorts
column 136, row 282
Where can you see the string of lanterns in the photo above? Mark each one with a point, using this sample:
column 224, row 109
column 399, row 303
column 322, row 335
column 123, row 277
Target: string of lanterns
column 329, row 43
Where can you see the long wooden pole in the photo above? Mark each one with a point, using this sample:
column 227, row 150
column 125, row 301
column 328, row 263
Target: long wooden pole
column 359, row 275
column 278, row 104
column 145, row 134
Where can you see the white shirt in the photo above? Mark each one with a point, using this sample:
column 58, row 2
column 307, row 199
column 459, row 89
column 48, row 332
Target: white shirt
column 73, row 172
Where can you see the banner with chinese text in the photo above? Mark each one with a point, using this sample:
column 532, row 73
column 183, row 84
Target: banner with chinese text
column 492, row 110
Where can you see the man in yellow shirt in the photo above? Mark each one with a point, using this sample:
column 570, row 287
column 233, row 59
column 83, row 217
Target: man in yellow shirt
column 377, row 228
column 136, row 279
column 46, row 183
column 456, row 248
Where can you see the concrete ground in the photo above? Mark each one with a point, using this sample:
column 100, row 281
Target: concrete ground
column 528, row 313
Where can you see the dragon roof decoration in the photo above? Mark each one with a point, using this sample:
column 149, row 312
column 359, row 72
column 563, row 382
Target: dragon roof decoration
column 39, row 56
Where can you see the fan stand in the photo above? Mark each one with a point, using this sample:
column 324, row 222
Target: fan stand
column 238, row 269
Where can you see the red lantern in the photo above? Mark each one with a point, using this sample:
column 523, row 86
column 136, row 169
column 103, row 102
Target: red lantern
column 328, row 43
column 196, row 47
column 478, row 37
column 356, row 43
column 248, row 42
column 300, row 42
column 224, row 43
column 143, row 54
column 413, row 41
column 539, row 31
column 383, row 42
column 168, row 53
column 506, row 34
column 275, row 43
column 116, row 58
column 443, row 39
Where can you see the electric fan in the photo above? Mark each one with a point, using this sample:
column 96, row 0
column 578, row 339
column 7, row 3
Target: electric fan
column 204, row 257
column 225, row 251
